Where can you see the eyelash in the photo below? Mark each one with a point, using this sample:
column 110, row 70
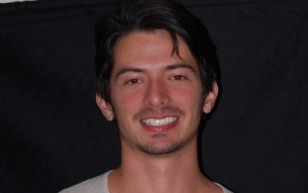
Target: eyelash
column 178, row 77
column 132, row 81
column 136, row 81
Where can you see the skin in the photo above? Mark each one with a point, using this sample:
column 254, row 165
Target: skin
column 157, row 102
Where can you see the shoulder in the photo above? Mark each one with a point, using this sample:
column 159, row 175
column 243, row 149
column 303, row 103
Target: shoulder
column 225, row 190
column 97, row 184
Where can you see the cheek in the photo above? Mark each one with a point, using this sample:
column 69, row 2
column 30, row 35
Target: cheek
column 189, row 97
column 194, row 104
column 126, row 104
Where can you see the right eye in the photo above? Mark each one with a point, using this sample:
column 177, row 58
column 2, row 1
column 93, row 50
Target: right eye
column 132, row 81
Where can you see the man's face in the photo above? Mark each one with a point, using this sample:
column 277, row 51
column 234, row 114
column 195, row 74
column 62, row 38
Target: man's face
column 156, row 95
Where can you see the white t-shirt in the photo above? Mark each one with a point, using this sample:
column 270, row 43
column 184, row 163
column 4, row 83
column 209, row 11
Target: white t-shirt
column 99, row 184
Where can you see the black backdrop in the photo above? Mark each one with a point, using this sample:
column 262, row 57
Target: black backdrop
column 53, row 136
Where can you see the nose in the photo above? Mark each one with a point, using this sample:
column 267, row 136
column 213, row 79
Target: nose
column 157, row 94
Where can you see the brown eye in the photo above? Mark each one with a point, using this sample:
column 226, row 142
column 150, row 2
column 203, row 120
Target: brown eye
column 178, row 77
column 133, row 81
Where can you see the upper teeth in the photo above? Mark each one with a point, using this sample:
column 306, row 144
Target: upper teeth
column 159, row 122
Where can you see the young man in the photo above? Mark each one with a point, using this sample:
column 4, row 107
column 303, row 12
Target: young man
column 156, row 71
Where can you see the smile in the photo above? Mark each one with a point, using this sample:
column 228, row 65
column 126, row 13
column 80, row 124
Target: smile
column 159, row 122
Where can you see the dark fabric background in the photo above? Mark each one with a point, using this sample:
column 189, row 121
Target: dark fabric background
column 53, row 136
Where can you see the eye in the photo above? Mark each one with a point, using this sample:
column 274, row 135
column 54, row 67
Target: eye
column 178, row 77
column 132, row 81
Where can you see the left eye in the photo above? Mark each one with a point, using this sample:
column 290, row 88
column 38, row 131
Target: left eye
column 178, row 77
column 133, row 81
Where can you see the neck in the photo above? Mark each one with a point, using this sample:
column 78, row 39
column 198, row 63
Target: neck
column 175, row 172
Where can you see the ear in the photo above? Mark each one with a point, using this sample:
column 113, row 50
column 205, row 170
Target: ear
column 210, row 99
column 105, row 107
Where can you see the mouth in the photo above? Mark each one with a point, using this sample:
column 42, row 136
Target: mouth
column 159, row 122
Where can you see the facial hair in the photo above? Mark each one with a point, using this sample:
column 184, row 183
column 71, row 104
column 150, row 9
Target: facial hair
column 169, row 148
column 158, row 149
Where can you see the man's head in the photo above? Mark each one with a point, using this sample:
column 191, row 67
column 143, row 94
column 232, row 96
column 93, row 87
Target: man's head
column 150, row 15
column 156, row 75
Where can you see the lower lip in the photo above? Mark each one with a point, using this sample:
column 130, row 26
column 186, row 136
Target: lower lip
column 163, row 128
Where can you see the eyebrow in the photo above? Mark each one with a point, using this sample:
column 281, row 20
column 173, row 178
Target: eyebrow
column 180, row 65
column 166, row 68
column 127, row 69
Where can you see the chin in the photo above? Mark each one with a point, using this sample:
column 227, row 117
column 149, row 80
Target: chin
column 162, row 149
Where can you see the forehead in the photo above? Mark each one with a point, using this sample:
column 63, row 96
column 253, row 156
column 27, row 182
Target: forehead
column 154, row 46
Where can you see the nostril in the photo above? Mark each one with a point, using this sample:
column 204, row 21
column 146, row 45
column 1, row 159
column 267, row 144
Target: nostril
column 157, row 94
